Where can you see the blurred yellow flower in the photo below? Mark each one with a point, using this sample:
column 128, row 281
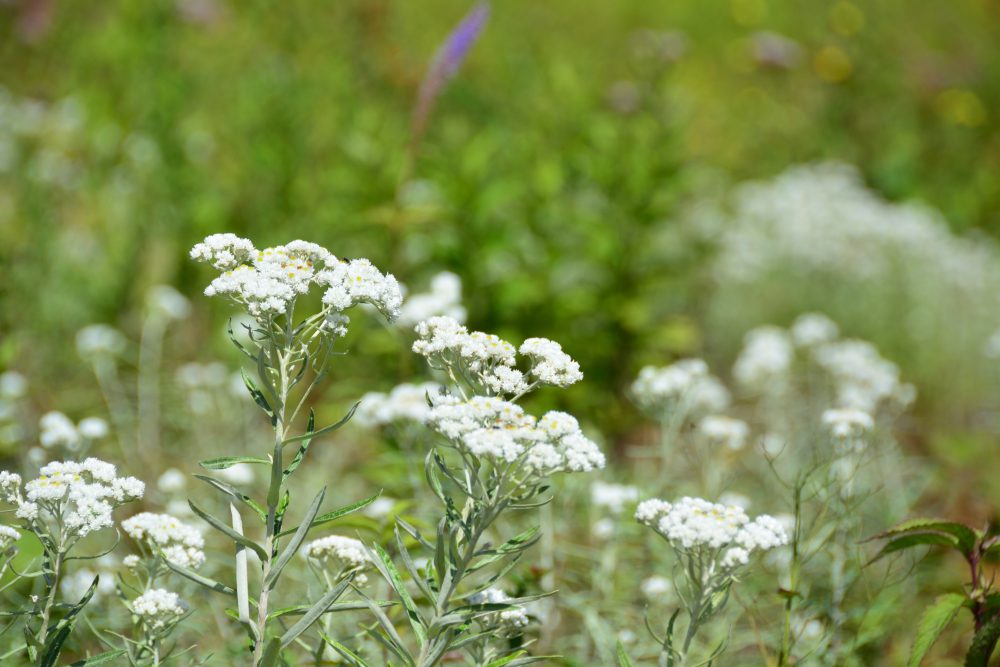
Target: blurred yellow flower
column 833, row 65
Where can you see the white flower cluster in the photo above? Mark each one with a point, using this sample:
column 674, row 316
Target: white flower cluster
column 493, row 360
column 180, row 543
column 405, row 403
column 268, row 281
column 7, row 537
column 343, row 553
column 846, row 424
column 725, row 431
column 862, row 378
column 685, row 385
column 716, row 531
column 491, row 428
column 810, row 329
column 765, row 360
column 158, row 608
column 613, row 497
column 99, row 340
column 507, row 621
column 58, row 430
column 444, row 298
column 81, row 495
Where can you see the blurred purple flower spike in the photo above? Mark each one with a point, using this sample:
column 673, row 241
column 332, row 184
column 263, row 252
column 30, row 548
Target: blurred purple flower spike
column 447, row 61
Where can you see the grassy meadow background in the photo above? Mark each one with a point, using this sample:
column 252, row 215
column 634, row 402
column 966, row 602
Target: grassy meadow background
column 562, row 175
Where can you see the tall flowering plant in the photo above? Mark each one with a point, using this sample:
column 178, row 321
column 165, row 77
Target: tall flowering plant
column 291, row 353
column 491, row 458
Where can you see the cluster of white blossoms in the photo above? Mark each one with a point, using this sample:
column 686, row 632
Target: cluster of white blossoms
column 501, row 431
column 862, row 378
column 158, row 608
column 613, row 497
column 58, row 430
column 724, row 431
column 8, row 536
column 845, row 424
column 444, row 298
column 765, row 360
column 180, row 543
column 344, row 554
column 99, row 340
column 268, row 281
column 493, row 361
column 685, row 385
column 811, row 329
column 721, row 534
column 81, row 496
column 405, row 403
column 507, row 621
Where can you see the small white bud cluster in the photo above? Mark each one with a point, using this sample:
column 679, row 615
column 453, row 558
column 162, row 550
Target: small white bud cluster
column 99, row 340
column 686, row 386
column 765, row 361
column 8, row 536
column 267, row 281
column 492, row 360
column 180, row 543
column 721, row 535
column 613, row 497
column 507, row 622
column 862, row 378
column 83, row 494
column 444, row 298
column 501, row 431
column 158, row 608
column 166, row 302
column 405, row 403
column 724, row 431
column 848, row 424
column 345, row 554
column 58, row 430
column 811, row 329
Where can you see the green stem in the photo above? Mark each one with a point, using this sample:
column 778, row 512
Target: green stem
column 43, row 632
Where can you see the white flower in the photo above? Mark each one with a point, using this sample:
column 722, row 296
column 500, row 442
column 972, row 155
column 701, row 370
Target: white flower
column 614, row 497
column 812, row 329
column 224, row 251
column 725, row 431
column 180, row 543
column 603, row 529
column 241, row 474
column 550, row 365
column 358, row 281
column 340, row 553
column 862, row 378
column 76, row 584
column 158, row 608
column 7, row 537
column 13, row 385
column 848, row 424
column 738, row 499
column 444, row 298
column 656, row 587
column 98, row 340
column 406, row 402
column 508, row 621
column 57, row 430
column 171, row 481
column 168, row 302
column 685, row 385
column 380, row 507
column 93, row 428
column 765, row 360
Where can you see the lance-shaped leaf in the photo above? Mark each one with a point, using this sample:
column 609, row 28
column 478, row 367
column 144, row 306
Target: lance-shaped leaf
column 336, row 514
column 299, row 609
column 388, row 570
column 303, row 448
column 298, row 537
column 514, row 545
column 234, row 493
column 199, row 579
column 100, row 658
column 228, row 532
column 347, row 654
column 272, row 653
column 935, row 619
column 223, row 462
column 623, row 659
column 317, row 610
column 326, row 429
column 257, row 395
column 53, row 647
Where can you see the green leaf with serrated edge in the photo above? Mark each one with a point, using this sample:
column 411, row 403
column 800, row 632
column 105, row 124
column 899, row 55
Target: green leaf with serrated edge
column 907, row 541
column 391, row 574
column 228, row 531
column 623, row 659
column 234, row 493
column 317, row 610
column 223, row 462
column 933, row 622
column 347, row 654
column 983, row 644
column 336, row 514
column 325, row 429
column 53, row 647
column 200, row 579
column 965, row 536
column 292, row 548
column 100, row 659
column 303, row 448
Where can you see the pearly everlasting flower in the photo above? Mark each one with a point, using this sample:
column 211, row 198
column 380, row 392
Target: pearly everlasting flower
column 224, row 251
column 603, row 529
column 848, row 424
column 158, row 608
column 684, row 386
column 550, row 365
column 812, row 329
column 8, row 536
column 13, row 385
column 405, row 403
column 180, row 543
column 76, row 584
column 614, row 497
column 344, row 554
column 358, row 281
column 656, row 587
column 444, row 298
column 167, row 302
column 58, row 430
column 725, row 431
column 98, row 340
column 507, row 622
column 765, row 360
column 93, row 428
column 171, row 481
column 862, row 378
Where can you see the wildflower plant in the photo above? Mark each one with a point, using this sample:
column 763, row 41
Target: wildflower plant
column 65, row 504
column 291, row 354
column 492, row 458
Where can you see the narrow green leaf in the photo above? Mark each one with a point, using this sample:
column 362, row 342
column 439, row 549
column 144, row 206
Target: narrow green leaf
column 257, row 395
column 100, row 658
column 909, row 540
column 234, row 493
column 336, row 514
column 53, row 647
column 326, row 429
column 303, row 448
column 272, row 653
column 935, row 619
column 298, row 537
column 623, row 659
column 347, row 654
column 315, row 612
column 200, row 579
column 228, row 531
column 223, row 462
column 391, row 574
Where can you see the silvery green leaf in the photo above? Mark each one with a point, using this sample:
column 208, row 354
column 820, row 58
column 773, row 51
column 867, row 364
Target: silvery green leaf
column 234, row 493
column 53, row 647
column 293, row 545
column 303, row 448
column 318, row 609
column 347, row 654
column 228, row 531
column 411, row 568
column 336, row 514
column 326, row 429
column 388, row 570
column 223, row 462
column 99, row 659
column 390, row 639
